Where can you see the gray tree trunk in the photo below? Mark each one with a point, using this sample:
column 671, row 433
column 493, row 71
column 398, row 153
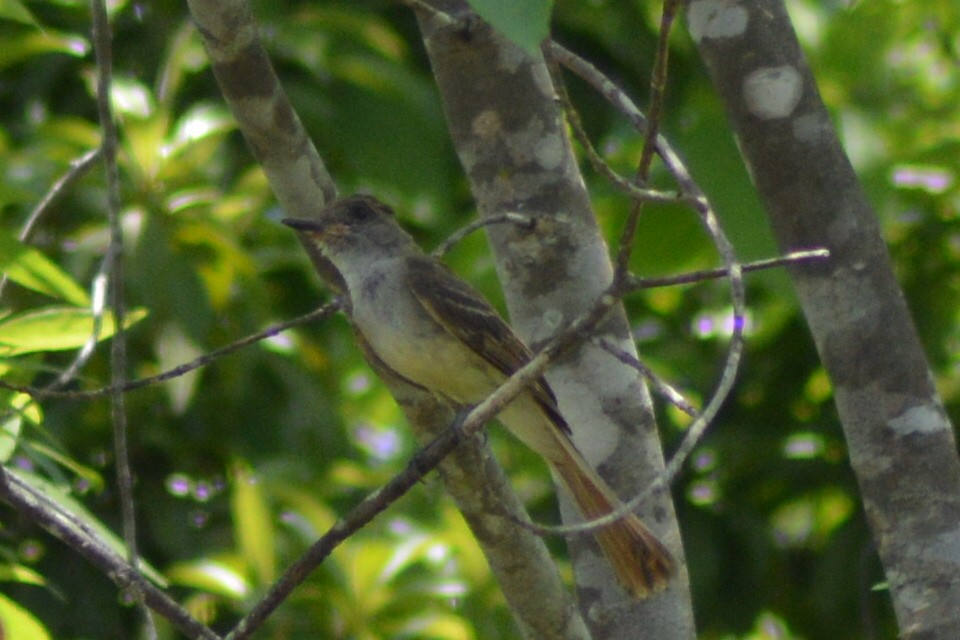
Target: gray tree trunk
column 901, row 443
column 508, row 130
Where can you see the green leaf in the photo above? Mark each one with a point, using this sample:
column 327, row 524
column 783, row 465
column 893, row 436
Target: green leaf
column 55, row 329
column 174, row 348
column 16, row 623
column 16, row 11
column 213, row 576
column 21, row 574
column 9, row 436
column 92, row 478
column 22, row 407
column 22, row 47
column 526, row 23
column 253, row 523
column 28, row 267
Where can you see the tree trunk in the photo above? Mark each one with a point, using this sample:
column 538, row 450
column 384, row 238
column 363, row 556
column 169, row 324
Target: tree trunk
column 508, row 131
column 901, row 443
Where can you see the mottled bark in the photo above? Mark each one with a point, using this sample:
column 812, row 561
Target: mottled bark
column 508, row 130
column 901, row 443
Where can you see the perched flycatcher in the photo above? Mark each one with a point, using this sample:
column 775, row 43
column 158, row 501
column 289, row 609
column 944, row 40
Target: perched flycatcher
column 434, row 330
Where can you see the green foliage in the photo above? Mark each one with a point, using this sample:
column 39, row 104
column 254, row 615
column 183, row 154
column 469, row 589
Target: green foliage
column 243, row 464
column 526, row 23
column 18, row 624
column 31, row 269
column 57, row 329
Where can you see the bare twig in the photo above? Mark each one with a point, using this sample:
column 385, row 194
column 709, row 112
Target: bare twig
column 99, row 291
column 658, row 83
column 202, row 361
column 673, row 396
column 599, row 164
column 620, row 101
column 114, row 264
column 658, row 88
column 73, row 532
column 634, row 283
column 622, row 280
column 422, row 463
column 78, row 169
column 463, row 232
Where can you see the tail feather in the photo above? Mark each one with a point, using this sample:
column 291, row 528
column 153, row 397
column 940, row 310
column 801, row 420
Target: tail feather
column 642, row 564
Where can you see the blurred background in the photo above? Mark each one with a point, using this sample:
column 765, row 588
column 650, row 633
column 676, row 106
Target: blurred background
column 240, row 465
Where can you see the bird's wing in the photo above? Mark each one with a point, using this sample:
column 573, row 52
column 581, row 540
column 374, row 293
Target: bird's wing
column 466, row 315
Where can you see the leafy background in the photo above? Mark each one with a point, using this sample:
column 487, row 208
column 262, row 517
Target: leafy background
column 239, row 466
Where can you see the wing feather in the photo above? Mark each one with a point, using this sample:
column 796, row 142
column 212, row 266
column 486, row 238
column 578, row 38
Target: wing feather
column 466, row 315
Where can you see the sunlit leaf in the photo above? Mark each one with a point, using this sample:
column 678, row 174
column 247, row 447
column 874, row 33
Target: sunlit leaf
column 56, row 329
column 22, row 406
column 410, row 550
column 22, row 47
column 437, row 624
column 253, row 523
column 132, row 98
column 219, row 576
column 365, row 566
column 175, row 348
column 30, row 268
column 16, row 623
column 21, row 574
column 198, row 123
column 769, row 626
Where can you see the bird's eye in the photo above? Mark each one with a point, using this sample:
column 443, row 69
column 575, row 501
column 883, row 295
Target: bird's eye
column 361, row 211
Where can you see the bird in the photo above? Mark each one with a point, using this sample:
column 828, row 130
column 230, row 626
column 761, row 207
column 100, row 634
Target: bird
column 434, row 330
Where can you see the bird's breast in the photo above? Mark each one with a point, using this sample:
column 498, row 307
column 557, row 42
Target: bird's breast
column 408, row 340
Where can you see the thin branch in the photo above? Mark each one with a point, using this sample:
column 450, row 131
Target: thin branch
column 62, row 524
column 114, row 263
column 599, row 164
column 620, row 101
column 658, row 88
column 99, row 293
column 78, row 168
column 731, row 268
column 673, row 396
column 658, row 83
column 634, row 283
column 208, row 358
column 422, row 463
column 517, row 218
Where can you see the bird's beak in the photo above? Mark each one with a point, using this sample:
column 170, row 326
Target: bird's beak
column 321, row 232
column 304, row 225
column 315, row 230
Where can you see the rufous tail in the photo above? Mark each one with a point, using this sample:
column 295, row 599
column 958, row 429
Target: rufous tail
column 642, row 564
